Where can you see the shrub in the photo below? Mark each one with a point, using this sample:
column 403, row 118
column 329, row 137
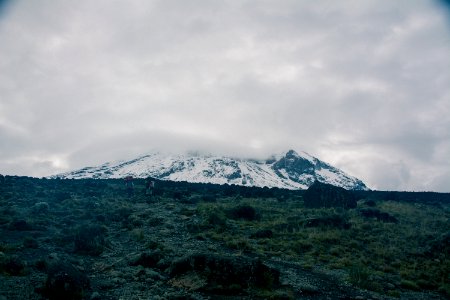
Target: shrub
column 408, row 284
column 244, row 212
column 30, row 242
column 40, row 207
column 335, row 221
column 90, row 239
column 122, row 213
column 20, row 225
column 380, row 216
column 239, row 244
column 216, row 219
column 370, row 203
column 147, row 259
column 12, row 265
column 61, row 196
column 64, row 281
column 209, row 198
column 359, row 276
column 262, row 234
column 213, row 216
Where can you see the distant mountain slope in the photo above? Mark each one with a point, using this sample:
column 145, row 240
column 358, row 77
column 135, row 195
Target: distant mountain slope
column 291, row 170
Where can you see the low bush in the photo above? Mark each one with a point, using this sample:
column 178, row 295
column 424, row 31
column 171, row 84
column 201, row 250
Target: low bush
column 243, row 212
column 334, row 221
column 30, row 242
column 147, row 259
column 89, row 239
column 40, row 208
column 64, row 281
column 20, row 225
column 262, row 234
column 209, row 198
column 359, row 275
column 377, row 214
column 213, row 216
column 12, row 265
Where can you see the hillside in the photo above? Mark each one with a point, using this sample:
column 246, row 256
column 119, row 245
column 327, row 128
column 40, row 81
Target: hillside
column 290, row 170
column 86, row 239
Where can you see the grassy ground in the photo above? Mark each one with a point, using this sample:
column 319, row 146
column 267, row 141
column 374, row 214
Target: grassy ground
column 400, row 250
column 375, row 255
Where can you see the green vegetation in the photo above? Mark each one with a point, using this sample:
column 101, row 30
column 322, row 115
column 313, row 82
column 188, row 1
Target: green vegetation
column 386, row 251
column 387, row 246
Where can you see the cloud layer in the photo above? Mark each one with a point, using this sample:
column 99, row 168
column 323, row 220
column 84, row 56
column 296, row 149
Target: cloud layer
column 362, row 85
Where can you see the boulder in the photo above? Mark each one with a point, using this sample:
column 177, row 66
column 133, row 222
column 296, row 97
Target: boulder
column 224, row 275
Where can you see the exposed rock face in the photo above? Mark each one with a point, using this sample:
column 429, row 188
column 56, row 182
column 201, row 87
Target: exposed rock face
column 326, row 195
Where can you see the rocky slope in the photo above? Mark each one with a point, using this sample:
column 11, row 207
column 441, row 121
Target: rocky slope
column 290, row 171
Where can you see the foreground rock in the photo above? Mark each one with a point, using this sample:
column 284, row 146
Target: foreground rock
column 225, row 275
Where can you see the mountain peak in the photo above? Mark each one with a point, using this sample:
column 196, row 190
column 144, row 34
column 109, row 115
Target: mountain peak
column 290, row 171
column 291, row 153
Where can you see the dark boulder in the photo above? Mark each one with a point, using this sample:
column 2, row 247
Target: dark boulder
column 222, row 275
column 326, row 195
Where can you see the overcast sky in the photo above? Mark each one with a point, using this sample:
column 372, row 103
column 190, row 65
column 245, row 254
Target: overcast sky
column 363, row 85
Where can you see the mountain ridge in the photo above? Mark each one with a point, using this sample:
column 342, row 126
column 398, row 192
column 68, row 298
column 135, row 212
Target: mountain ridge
column 290, row 170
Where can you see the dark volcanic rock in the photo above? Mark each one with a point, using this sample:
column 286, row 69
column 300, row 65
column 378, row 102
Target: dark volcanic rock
column 326, row 195
column 221, row 274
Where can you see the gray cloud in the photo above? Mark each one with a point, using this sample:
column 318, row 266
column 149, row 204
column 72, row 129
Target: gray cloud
column 362, row 85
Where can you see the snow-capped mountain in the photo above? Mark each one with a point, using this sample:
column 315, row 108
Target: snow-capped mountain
column 291, row 170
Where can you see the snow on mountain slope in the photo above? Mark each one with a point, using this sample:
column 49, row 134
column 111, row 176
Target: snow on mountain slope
column 291, row 170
